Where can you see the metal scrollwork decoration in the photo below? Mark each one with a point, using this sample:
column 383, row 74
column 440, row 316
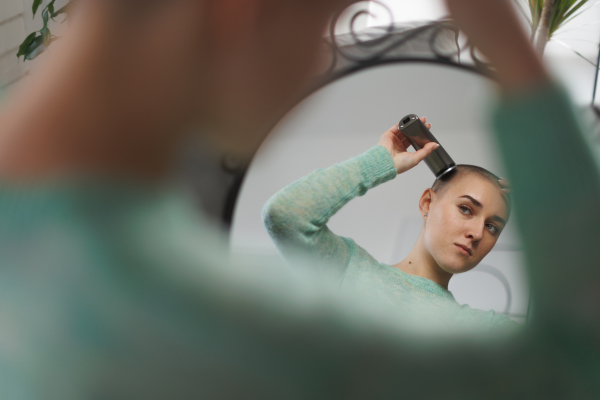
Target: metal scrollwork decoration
column 429, row 42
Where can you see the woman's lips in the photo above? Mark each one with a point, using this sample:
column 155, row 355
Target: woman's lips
column 463, row 249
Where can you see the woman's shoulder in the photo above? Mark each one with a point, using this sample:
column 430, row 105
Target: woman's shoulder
column 487, row 320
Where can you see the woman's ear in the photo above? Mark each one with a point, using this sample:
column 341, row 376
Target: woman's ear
column 425, row 202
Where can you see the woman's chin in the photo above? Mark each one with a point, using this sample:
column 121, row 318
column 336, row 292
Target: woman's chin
column 456, row 267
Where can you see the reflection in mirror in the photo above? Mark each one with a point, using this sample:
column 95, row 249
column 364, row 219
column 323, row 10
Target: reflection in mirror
column 346, row 118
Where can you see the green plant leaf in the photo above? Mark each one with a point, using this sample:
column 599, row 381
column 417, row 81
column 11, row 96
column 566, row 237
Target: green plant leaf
column 576, row 52
column 28, row 40
column 36, row 5
column 51, row 9
column 574, row 8
column 580, row 12
column 535, row 8
column 37, row 42
column 562, row 11
column 45, row 17
column 35, row 48
column 562, row 31
column 522, row 11
column 46, row 36
column 62, row 10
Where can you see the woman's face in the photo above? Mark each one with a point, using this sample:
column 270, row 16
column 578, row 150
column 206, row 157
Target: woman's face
column 464, row 222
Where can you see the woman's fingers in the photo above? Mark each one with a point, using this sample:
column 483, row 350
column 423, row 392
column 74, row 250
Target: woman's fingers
column 425, row 151
column 396, row 132
column 406, row 160
column 504, row 186
column 424, row 120
column 405, row 143
column 400, row 142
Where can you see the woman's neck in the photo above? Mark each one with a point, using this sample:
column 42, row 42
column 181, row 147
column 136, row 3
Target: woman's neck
column 419, row 262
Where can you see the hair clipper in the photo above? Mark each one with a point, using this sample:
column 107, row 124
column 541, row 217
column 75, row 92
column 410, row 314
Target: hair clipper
column 439, row 162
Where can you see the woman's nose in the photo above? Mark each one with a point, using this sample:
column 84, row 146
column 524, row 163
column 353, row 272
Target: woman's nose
column 475, row 230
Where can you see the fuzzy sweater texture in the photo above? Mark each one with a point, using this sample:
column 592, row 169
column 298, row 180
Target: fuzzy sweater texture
column 113, row 290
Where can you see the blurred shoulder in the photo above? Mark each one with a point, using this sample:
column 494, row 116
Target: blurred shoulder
column 486, row 320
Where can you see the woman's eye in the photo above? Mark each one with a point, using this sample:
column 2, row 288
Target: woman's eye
column 492, row 228
column 464, row 210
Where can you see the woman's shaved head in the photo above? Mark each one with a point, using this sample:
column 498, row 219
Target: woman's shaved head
column 462, row 171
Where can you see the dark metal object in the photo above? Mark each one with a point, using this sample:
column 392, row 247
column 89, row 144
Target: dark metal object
column 415, row 131
column 434, row 41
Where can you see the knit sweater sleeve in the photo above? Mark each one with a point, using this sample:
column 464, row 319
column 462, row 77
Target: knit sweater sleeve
column 296, row 217
column 556, row 185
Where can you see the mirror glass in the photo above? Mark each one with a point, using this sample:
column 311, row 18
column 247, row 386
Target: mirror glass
column 345, row 118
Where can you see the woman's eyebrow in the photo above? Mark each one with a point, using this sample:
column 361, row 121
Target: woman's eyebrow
column 476, row 202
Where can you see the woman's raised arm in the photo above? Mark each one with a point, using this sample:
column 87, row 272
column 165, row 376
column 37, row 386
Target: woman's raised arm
column 296, row 217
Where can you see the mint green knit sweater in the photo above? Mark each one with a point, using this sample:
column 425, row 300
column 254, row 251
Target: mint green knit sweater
column 297, row 216
column 113, row 291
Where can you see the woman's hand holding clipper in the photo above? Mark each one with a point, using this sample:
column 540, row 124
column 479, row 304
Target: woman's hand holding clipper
column 397, row 144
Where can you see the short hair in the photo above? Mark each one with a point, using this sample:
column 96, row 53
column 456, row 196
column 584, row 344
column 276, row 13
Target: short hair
column 465, row 169
column 461, row 170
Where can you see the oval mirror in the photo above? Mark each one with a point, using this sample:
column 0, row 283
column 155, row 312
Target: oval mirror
column 345, row 118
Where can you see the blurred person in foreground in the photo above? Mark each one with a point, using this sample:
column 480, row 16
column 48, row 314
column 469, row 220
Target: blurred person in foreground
column 113, row 287
column 463, row 214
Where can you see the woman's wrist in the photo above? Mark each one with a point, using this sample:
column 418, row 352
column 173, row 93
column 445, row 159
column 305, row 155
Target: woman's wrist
column 379, row 163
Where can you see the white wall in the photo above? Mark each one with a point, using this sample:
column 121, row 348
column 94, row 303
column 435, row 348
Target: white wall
column 12, row 34
column 345, row 119
column 582, row 35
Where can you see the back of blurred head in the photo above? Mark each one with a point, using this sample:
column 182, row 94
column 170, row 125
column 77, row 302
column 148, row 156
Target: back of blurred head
column 153, row 71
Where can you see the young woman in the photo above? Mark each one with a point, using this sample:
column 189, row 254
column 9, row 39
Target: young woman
column 463, row 215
